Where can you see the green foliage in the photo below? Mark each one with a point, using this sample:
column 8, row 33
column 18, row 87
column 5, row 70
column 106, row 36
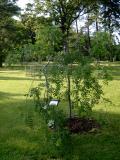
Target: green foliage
column 79, row 43
column 28, row 19
column 110, row 14
column 13, row 57
column 85, row 92
column 7, row 10
column 101, row 45
column 85, row 89
column 117, row 52
column 62, row 12
column 29, row 53
column 48, row 40
column 57, row 135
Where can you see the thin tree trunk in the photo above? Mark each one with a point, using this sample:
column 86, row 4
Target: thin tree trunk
column 88, row 33
column 76, row 26
column 77, row 31
column 65, row 42
column 46, row 81
column 96, row 23
column 89, row 40
column 66, row 50
column 1, row 61
column 109, row 26
column 47, row 87
column 69, row 96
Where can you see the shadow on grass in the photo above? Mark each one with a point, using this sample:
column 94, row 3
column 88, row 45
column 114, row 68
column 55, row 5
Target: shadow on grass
column 103, row 145
column 18, row 78
column 114, row 71
column 113, row 68
column 6, row 95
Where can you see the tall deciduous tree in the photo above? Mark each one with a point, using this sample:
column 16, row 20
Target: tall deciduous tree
column 102, row 46
column 111, row 12
column 7, row 10
column 28, row 19
column 63, row 13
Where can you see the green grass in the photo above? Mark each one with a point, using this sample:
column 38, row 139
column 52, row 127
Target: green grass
column 20, row 141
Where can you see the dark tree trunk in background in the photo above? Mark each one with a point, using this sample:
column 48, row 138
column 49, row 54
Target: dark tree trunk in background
column 88, row 33
column 65, row 35
column 109, row 27
column 1, row 61
column 76, row 26
column 96, row 23
column 69, row 96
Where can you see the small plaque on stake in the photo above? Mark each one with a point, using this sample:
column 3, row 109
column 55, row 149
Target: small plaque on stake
column 54, row 102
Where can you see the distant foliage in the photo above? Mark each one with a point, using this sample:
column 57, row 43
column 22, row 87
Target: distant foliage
column 102, row 46
column 48, row 40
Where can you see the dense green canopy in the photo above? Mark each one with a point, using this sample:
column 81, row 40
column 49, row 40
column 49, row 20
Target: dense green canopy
column 7, row 10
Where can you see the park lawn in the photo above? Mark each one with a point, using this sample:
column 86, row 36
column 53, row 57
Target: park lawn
column 22, row 135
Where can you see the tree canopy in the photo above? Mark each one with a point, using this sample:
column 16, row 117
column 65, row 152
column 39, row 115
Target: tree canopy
column 7, row 10
column 47, row 26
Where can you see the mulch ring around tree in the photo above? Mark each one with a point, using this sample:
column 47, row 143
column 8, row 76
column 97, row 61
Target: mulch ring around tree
column 82, row 125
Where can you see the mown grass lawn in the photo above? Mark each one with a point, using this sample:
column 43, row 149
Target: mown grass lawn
column 23, row 139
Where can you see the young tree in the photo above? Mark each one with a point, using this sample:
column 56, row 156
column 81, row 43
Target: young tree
column 63, row 14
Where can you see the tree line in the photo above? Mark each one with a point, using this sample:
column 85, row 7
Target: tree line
column 49, row 27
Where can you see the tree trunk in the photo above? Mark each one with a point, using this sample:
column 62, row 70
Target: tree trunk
column 96, row 23
column 65, row 33
column 88, row 33
column 1, row 61
column 76, row 26
column 89, row 40
column 69, row 96
column 65, row 43
column 109, row 27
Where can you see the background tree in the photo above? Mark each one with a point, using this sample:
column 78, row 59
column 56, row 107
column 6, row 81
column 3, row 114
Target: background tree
column 19, row 38
column 7, row 10
column 28, row 19
column 102, row 46
column 63, row 13
column 110, row 11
